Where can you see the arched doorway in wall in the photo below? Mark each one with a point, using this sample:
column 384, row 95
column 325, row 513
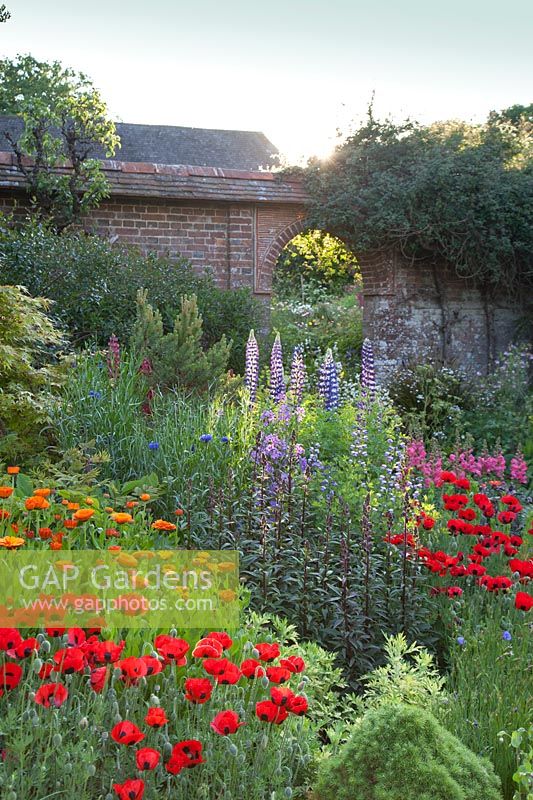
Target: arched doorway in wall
column 317, row 296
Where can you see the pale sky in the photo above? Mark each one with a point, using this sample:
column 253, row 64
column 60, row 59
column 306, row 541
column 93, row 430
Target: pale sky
column 295, row 69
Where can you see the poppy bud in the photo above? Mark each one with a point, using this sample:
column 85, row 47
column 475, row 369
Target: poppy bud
column 45, row 647
column 37, row 665
column 91, row 770
column 84, row 722
column 57, row 740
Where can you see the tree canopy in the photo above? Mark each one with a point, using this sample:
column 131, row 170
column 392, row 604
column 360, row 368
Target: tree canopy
column 64, row 119
column 452, row 191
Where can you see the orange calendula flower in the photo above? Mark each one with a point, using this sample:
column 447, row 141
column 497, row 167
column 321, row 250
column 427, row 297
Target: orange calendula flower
column 5, row 491
column 11, row 542
column 42, row 493
column 45, row 533
column 163, row 525
column 121, row 518
column 227, row 595
column 114, row 548
column 178, row 512
column 83, row 514
column 70, row 524
column 56, row 546
column 145, row 497
column 13, row 470
column 3, row 513
column 73, row 506
column 131, row 504
column 36, row 502
column 111, row 532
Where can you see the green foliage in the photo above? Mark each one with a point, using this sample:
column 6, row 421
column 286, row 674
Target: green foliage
column 94, row 283
column 177, row 359
column 64, row 118
column 490, row 680
column 333, row 322
column 402, row 752
column 521, row 741
column 4, row 13
column 314, row 261
column 409, row 676
column 26, row 376
column 447, row 191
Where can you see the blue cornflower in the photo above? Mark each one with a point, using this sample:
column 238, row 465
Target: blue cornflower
column 205, row 437
column 224, row 439
column 507, row 636
column 96, row 394
column 154, row 445
column 461, row 640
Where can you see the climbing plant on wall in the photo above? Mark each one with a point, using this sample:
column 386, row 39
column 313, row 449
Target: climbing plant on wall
column 449, row 191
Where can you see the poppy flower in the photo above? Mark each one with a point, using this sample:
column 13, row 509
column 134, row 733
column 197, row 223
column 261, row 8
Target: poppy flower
column 25, row 648
column 523, row 601
column 198, row 690
column 9, row 638
column 208, row 648
column 230, row 675
column 126, row 732
column 10, row 675
column 132, row 670
column 524, row 568
column 278, row 674
column 69, row 660
column 467, row 513
column 76, row 636
column 147, row 758
column 97, row 679
column 267, row 711
column 221, row 636
column 251, row 668
column 171, row 648
column 428, row 523
column 45, row 671
column 184, row 755
column 51, row 694
column 267, row 651
column 132, row 789
column 298, row 705
column 226, row 722
column 156, row 717
column 281, row 695
column 215, row 666
column 293, row 663
column 463, row 483
column 506, row 517
column 153, row 665
column 447, row 477
column 454, row 591
column 107, row 652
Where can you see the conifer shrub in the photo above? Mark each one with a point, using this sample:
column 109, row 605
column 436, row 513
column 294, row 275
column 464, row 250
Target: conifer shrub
column 402, row 753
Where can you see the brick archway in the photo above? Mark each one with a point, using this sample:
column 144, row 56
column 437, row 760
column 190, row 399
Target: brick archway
column 265, row 268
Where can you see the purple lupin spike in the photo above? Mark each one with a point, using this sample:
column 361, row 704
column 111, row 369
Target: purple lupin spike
column 277, row 378
column 297, row 380
column 368, row 372
column 328, row 382
column 251, row 370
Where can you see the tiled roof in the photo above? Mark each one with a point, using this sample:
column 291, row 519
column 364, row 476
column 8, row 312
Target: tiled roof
column 170, row 144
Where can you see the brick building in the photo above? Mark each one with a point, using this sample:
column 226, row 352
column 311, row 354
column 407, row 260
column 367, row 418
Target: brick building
column 210, row 195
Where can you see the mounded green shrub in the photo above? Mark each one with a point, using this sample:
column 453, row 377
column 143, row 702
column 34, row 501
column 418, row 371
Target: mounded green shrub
column 403, row 753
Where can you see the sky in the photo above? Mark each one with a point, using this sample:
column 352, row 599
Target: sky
column 298, row 70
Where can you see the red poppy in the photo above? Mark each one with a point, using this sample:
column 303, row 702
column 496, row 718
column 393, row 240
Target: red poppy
column 25, row 648
column 45, row 671
column 251, row 668
column 132, row 670
column 523, row 601
column 226, row 722
column 267, row 651
column 208, row 648
column 153, row 665
column 107, row 652
column 454, row 591
column 147, row 758
column 281, row 695
column 97, row 679
column 132, row 789
column 463, row 483
column 512, row 503
column 230, row 675
column 215, row 666
column 267, row 711
column 447, row 477
column 298, row 705
column 428, row 523
column 10, row 675
column 506, row 517
column 76, row 636
column 69, row 660
column 126, row 733
column 467, row 513
column 524, row 568
column 172, row 649
column 198, row 690
column 51, row 694
column 184, row 755
column 278, row 674
column 223, row 638
column 156, row 717
column 55, row 632
column 9, row 638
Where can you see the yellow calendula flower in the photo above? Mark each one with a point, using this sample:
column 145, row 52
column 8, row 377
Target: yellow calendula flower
column 11, row 542
column 127, row 560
